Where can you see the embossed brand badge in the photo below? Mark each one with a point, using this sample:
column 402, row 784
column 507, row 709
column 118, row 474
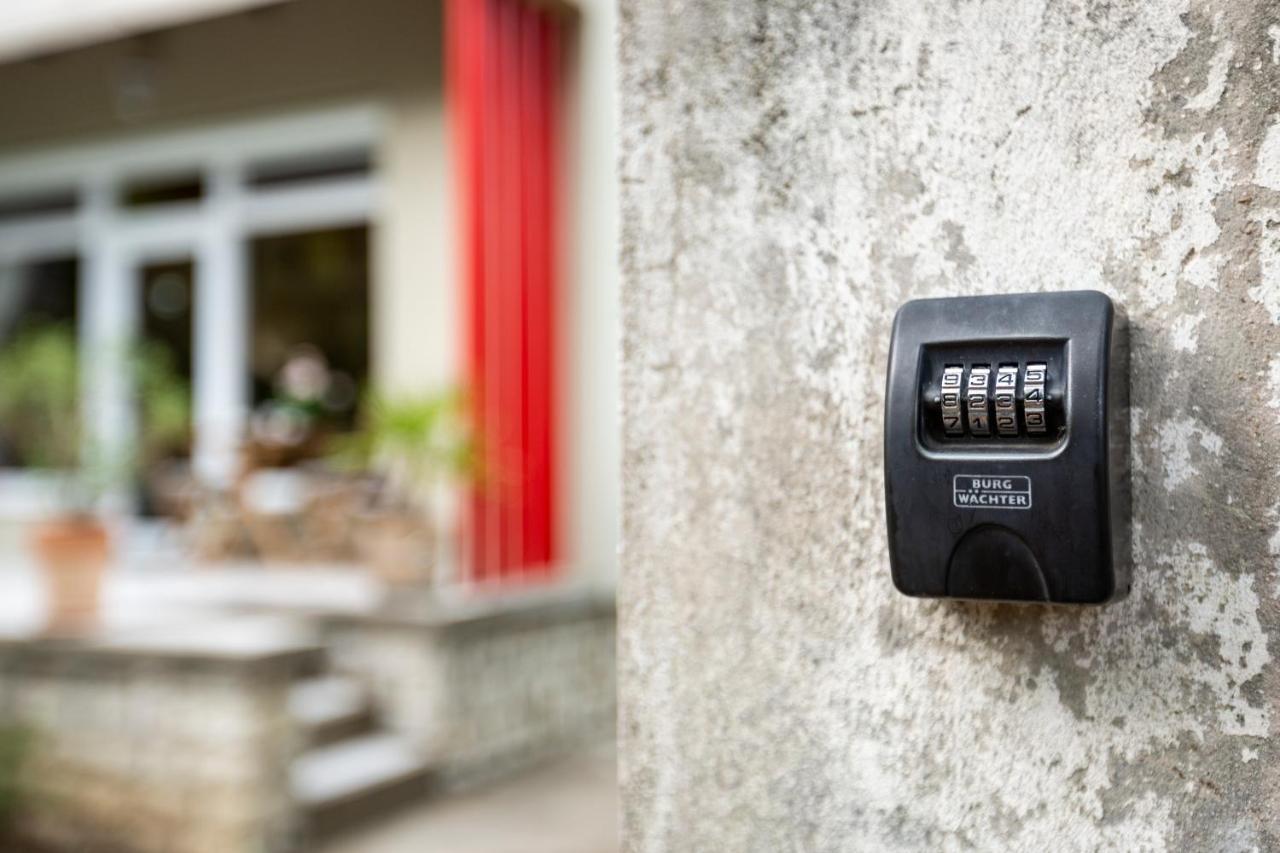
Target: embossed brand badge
column 980, row 491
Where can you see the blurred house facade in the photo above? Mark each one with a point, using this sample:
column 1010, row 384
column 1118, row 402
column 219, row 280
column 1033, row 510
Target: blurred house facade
column 238, row 181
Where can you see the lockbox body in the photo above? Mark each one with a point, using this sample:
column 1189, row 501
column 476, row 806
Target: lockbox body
column 1006, row 448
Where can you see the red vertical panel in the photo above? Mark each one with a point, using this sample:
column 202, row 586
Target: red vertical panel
column 490, row 368
column 465, row 52
column 529, row 121
column 496, row 238
column 540, row 60
column 510, row 345
column 503, row 62
column 526, row 18
column 552, row 59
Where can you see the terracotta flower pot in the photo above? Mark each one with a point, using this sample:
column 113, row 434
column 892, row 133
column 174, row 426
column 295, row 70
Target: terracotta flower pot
column 73, row 555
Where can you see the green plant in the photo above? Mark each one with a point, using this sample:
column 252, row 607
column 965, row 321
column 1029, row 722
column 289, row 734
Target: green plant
column 39, row 398
column 41, row 416
column 15, row 745
column 164, row 403
column 416, row 443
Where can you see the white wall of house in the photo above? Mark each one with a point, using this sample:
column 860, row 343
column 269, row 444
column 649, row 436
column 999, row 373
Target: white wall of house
column 592, row 445
column 417, row 339
column 384, row 57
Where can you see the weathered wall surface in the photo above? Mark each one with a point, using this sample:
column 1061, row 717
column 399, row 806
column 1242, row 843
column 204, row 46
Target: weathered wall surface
column 792, row 171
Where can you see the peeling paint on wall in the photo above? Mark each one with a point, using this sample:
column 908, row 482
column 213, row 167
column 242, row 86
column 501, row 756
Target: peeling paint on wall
column 792, row 172
column 1183, row 334
column 1267, row 292
column 1211, row 95
column 1175, row 439
column 1267, row 173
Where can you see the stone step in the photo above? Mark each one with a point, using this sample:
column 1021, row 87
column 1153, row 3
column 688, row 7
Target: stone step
column 344, row 783
column 331, row 708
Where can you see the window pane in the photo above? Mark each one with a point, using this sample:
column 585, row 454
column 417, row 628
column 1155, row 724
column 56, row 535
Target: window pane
column 305, row 170
column 167, row 293
column 311, row 314
column 34, row 297
column 33, row 205
column 163, row 189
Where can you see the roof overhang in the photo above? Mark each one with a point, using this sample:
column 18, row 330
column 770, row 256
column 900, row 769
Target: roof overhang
column 36, row 27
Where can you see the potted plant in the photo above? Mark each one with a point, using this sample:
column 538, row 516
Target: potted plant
column 41, row 419
column 416, row 448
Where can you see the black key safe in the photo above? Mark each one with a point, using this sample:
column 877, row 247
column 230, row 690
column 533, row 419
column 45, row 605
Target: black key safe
column 1006, row 448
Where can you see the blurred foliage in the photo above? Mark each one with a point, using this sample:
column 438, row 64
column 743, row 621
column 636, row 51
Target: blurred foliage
column 164, row 402
column 40, row 410
column 15, row 745
column 39, row 398
column 416, row 443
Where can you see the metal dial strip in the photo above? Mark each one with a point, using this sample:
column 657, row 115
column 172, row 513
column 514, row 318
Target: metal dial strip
column 951, row 422
column 978, row 394
column 1033, row 380
column 1005, row 397
column 977, row 400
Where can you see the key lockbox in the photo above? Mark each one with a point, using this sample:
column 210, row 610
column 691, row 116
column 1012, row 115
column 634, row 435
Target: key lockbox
column 1006, row 448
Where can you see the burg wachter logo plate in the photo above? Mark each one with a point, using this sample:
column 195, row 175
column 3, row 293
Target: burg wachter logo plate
column 980, row 491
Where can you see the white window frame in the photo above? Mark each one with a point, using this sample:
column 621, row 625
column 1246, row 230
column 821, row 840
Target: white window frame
column 112, row 241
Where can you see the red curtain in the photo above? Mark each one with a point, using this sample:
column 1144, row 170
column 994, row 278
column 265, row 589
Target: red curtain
column 503, row 80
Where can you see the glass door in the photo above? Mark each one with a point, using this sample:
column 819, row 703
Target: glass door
column 164, row 381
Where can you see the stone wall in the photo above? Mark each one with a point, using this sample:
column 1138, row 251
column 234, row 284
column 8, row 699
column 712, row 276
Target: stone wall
column 792, row 172
column 150, row 751
column 484, row 688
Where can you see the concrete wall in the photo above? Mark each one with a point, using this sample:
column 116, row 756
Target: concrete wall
column 791, row 173
column 490, row 687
